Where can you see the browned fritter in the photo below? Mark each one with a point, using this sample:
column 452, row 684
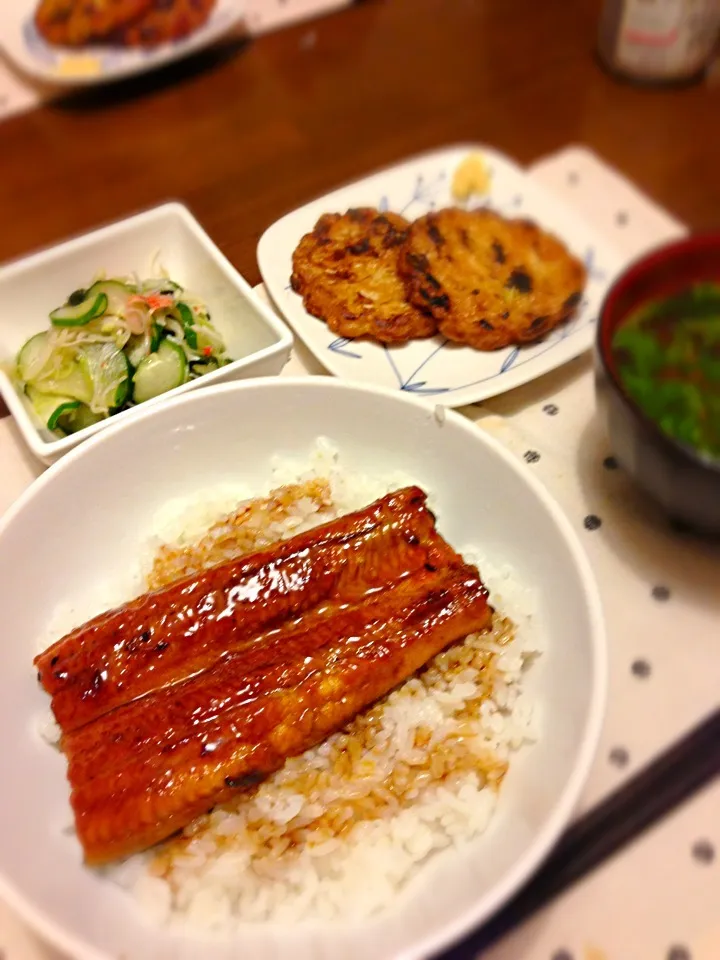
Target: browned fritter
column 489, row 281
column 71, row 23
column 167, row 21
column 346, row 271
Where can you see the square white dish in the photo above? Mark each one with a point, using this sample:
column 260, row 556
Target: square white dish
column 31, row 287
column 448, row 374
column 100, row 63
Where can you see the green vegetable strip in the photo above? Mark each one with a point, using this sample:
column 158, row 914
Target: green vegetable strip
column 667, row 355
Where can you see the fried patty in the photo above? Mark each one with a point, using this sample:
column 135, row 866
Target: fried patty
column 488, row 281
column 73, row 23
column 166, row 21
column 346, row 271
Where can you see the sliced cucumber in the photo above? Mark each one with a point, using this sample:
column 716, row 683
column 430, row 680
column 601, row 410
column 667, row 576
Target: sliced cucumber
column 66, row 379
column 117, row 294
column 109, row 372
column 136, row 349
column 201, row 317
column 209, row 337
column 156, row 335
column 77, row 315
column 71, row 380
column 51, row 409
column 160, row 372
column 201, row 367
column 33, row 357
column 186, row 314
column 161, row 285
column 187, row 320
column 80, row 418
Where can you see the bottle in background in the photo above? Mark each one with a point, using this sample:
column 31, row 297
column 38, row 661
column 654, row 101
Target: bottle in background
column 659, row 41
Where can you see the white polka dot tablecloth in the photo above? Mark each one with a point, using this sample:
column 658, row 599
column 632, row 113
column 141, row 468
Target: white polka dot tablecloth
column 659, row 899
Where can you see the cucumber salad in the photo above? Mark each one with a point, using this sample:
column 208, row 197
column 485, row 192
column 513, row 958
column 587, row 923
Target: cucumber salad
column 116, row 344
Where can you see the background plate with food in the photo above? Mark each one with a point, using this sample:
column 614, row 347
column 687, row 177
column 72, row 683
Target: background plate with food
column 412, row 748
column 452, row 276
column 79, row 42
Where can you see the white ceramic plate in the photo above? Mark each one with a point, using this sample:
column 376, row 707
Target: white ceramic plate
column 82, row 525
column 432, row 368
column 31, row 287
column 100, row 63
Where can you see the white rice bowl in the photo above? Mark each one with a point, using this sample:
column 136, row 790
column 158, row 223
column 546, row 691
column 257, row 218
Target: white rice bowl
column 419, row 864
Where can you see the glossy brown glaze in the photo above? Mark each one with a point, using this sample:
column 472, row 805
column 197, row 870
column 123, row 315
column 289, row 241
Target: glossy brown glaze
column 173, row 633
column 145, row 770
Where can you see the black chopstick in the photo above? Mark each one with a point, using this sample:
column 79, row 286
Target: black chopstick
column 655, row 791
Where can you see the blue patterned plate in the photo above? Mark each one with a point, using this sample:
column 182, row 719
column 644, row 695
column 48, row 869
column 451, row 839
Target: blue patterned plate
column 99, row 63
column 450, row 374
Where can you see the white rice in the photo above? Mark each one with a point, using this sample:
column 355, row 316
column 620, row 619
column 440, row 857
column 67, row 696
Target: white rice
column 341, row 829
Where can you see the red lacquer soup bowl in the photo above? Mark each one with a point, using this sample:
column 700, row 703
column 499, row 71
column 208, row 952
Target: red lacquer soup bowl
column 683, row 480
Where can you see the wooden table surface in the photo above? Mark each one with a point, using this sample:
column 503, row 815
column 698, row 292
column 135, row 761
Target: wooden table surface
column 252, row 129
column 249, row 132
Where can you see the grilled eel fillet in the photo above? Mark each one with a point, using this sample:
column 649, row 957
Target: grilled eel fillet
column 170, row 634
column 146, row 770
column 147, row 767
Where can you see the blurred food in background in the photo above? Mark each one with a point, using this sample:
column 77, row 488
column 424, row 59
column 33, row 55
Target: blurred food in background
column 129, row 23
column 667, row 42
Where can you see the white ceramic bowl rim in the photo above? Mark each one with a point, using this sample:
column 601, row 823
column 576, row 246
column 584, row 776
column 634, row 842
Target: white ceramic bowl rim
column 563, row 808
column 270, row 357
